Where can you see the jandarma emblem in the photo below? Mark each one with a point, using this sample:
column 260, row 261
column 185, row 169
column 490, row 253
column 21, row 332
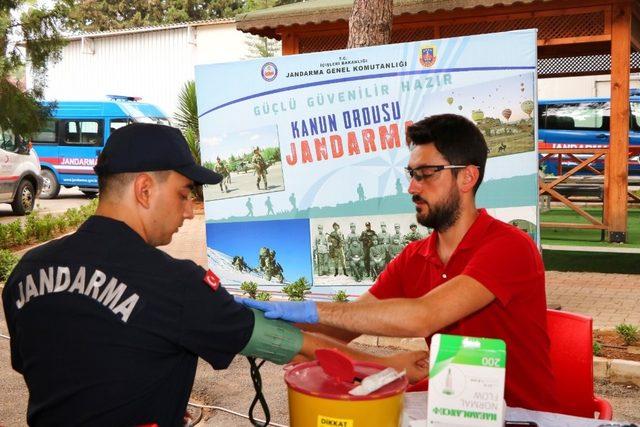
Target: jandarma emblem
column 428, row 55
column 269, row 71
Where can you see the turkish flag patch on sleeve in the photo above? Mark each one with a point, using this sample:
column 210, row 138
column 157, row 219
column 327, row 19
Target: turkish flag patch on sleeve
column 212, row 280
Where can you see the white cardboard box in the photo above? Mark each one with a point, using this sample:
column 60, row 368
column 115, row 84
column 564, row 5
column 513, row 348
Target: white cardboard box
column 466, row 381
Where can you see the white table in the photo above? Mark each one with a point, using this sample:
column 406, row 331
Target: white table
column 415, row 411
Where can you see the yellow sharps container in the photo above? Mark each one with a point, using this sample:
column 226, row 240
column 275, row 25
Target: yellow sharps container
column 317, row 399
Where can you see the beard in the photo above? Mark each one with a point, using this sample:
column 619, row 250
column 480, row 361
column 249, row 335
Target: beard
column 440, row 217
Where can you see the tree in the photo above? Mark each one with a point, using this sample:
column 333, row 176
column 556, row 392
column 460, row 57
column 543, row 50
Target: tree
column 186, row 118
column 370, row 23
column 104, row 15
column 262, row 47
column 37, row 28
column 251, row 5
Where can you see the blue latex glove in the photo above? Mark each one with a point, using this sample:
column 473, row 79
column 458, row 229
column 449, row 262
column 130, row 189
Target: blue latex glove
column 298, row 312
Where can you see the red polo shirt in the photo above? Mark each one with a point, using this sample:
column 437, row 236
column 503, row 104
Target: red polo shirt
column 507, row 262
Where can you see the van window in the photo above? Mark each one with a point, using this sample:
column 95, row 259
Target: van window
column 115, row 124
column 81, row 132
column 47, row 134
column 7, row 141
column 579, row 115
column 155, row 120
column 13, row 144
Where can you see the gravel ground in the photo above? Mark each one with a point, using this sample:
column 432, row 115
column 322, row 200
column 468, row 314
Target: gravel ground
column 232, row 389
column 625, row 400
column 13, row 390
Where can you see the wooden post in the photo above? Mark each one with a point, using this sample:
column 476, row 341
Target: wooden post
column 616, row 168
column 290, row 44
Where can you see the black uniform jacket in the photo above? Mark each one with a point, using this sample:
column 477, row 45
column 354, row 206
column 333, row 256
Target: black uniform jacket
column 107, row 330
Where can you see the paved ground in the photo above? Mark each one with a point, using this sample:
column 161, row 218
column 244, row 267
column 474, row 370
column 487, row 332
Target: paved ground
column 68, row 198
column 610, row 299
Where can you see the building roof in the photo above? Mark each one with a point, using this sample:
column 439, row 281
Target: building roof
column 322, row 11
column 120, row 32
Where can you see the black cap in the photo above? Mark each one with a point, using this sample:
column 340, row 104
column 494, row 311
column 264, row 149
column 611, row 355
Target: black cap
column 145, row 147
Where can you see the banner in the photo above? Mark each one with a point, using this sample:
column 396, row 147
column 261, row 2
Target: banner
column 313, row 152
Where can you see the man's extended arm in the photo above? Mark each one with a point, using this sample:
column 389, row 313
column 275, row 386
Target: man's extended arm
column 410, row 317
column 334, row 332
column 402, row 317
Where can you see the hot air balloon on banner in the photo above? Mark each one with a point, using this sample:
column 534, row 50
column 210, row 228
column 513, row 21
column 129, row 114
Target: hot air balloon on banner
column 449, row 100
column 477, row 115
column 506, row 113
column 527, row 107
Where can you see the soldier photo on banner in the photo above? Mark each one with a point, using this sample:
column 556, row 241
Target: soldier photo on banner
column 222, row 169
column 321, row 252
column 250, row 164
column 355, row 250
column 355, row 259
column 336, row 249
column 263, row 252
column 269, row 266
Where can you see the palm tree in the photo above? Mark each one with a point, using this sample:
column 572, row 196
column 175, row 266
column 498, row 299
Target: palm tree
column 187, row 120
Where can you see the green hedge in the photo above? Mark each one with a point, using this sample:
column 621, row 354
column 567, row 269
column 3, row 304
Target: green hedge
column 7, row 261
column 597, row 262
column 37, row 228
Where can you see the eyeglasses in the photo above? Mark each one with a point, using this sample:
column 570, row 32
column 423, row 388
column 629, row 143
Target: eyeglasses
column 427, row 171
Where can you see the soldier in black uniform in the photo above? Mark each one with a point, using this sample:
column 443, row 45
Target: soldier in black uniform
column 107, row 329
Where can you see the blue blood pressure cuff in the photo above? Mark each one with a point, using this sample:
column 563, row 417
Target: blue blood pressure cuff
column 274, row 340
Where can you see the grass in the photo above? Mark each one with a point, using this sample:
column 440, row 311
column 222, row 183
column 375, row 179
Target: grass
column 575, row 237
column 602, row 262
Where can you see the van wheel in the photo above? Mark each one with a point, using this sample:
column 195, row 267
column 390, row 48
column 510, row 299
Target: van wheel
column 24, row 199
column 50, row 185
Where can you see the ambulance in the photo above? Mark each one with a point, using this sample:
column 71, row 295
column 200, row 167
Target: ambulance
column 20, row 180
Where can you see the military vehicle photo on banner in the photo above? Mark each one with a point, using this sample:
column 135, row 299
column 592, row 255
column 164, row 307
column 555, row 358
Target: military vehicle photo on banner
column 248, row 160
column 330, row 127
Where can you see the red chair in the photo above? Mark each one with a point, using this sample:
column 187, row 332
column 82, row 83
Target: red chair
column 571, row 338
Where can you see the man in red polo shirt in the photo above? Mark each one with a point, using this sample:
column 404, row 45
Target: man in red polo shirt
column 474, row 275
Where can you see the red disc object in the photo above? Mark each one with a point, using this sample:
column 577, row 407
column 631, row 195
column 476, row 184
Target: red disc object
column 336, row 364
